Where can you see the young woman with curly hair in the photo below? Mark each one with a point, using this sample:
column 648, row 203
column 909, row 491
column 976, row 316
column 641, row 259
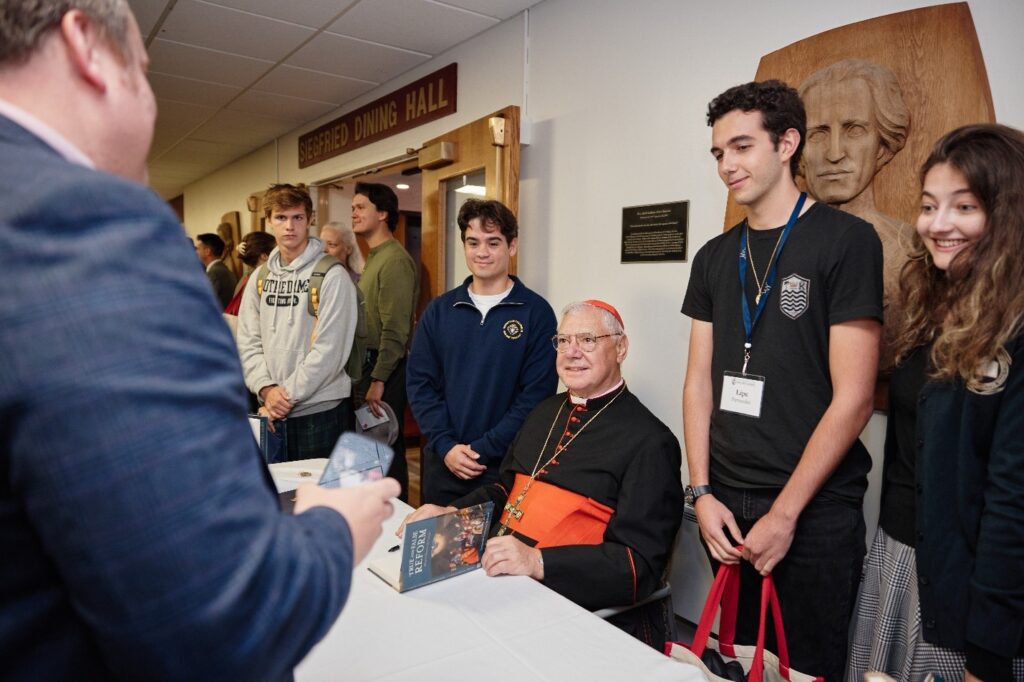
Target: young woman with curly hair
column 943, row 585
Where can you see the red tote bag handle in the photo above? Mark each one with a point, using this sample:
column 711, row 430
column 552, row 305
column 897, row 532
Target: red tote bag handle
column 769, row 597
column 730, row 609
column 724, row 592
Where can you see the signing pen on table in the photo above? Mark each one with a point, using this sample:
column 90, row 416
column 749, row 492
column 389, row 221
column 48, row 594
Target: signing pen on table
column 395, row 548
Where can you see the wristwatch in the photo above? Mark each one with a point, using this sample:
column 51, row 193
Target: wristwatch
column 691, row 493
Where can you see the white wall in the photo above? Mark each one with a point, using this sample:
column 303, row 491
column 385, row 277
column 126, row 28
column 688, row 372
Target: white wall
column 491, row 76
column 617, row 96
column 617, row 93
column 227, row 190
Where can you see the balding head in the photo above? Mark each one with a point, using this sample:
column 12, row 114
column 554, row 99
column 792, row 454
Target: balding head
column 79, row 66
column 25, row 23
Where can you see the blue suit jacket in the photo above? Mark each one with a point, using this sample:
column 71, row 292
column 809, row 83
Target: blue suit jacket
column 140, row 538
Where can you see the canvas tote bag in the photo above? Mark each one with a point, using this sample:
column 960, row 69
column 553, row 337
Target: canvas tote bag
column 758, row 664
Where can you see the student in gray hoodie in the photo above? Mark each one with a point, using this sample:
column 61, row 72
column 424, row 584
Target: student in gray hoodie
column 293, row 362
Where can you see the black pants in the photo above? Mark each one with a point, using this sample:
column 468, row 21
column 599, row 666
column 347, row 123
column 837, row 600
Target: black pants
column 394, row 395
column 817, row 581
column 441, row 486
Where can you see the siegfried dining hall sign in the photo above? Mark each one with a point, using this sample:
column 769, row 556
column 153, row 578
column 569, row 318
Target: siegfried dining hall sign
column 427, row 99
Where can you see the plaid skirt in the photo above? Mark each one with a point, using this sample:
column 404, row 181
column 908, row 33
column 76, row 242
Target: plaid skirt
column 885, row 634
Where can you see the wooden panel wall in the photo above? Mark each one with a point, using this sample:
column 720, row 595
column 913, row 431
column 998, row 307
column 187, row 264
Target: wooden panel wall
column 935, row 55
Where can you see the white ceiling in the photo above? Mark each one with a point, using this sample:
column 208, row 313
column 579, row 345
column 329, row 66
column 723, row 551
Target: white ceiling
column 232, row 75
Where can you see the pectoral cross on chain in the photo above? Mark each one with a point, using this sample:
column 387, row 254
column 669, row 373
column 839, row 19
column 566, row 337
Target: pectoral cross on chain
column 514, row 512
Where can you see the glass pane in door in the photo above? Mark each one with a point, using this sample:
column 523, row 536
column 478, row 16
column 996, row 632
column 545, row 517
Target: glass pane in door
column 456, row 191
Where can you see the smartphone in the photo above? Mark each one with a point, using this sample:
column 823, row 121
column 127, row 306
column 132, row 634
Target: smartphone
column 356, row 459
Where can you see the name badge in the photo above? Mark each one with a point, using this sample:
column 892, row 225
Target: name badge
column 742, row 394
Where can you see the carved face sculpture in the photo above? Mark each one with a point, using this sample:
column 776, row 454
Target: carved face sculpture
column 844, row 149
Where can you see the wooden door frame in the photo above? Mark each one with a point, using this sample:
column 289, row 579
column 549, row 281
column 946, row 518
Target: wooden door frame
column 474, row 148
column 366, row 174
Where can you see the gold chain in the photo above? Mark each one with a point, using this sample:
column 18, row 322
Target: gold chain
column 538, row 467
column 750, row 257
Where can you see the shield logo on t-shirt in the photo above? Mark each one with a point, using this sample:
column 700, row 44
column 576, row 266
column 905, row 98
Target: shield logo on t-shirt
column 794, row 296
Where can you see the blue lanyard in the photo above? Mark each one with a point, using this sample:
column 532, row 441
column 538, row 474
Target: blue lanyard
column 769, row 279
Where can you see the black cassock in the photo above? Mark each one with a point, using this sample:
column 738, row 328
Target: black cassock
column 623, row 459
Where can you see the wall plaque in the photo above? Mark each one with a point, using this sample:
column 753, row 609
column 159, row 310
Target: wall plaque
column 422, row 101
column 656, row 232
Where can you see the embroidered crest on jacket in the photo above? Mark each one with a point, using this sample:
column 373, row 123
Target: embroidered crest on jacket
column 992, row 376
column 512, row 330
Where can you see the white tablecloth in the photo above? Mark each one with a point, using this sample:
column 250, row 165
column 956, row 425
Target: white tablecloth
column 473, row 626
column 290, row 475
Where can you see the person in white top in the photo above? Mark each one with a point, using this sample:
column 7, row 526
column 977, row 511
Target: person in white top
column 481, row 359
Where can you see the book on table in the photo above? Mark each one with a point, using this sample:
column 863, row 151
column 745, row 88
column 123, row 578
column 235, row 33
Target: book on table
column 273, row 443
column 436, row 548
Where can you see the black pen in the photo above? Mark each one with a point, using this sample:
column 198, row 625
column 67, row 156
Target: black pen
column 395, row 548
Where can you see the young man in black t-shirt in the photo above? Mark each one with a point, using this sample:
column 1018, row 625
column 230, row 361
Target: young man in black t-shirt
column 786, row 310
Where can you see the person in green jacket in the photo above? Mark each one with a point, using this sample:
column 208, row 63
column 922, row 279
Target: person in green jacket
column 390, row 287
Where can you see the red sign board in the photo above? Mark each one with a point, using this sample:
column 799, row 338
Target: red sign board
column 427, row 99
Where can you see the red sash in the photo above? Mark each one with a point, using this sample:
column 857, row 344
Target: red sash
column 554, row 516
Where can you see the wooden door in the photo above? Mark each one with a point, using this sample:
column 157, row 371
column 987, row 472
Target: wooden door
column 490, row 145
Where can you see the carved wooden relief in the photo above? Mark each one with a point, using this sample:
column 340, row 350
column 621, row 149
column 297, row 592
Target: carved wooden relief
column 878, row 94
column 936, row 60
column 230, row 230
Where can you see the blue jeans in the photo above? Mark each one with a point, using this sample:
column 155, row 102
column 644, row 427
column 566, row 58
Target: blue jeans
column 817, row 581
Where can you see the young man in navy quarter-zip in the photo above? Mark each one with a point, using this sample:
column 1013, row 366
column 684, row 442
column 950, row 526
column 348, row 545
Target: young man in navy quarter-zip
column 481, row 359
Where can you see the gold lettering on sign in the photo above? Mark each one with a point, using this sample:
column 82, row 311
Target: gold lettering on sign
column 377, row 120
column 426, row 99
column 442, row 101
column 324, row 142
column 410, row 106
column 422, row 101
column 419, row 104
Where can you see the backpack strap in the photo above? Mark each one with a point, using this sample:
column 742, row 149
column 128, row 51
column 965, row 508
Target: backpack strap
column 316, row 282
column 261, row 277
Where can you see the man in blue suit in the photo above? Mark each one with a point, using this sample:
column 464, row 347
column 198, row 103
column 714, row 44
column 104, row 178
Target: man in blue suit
column 140, row 536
